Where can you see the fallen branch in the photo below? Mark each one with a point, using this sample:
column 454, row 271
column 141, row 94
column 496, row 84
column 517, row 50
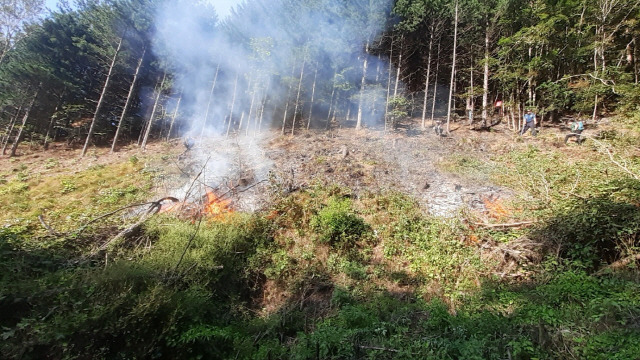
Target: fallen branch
column 154, row 209
column 184, row 252
column 235, row 188
column 188, row 193
column 613, row 160
column 619, row 264
column 505, row 226
column 605, row 82
column 49, row 228
column 84, row 227
column 378, row 348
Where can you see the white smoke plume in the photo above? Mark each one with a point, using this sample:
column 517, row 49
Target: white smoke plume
column 241, row 76
column 261, row 50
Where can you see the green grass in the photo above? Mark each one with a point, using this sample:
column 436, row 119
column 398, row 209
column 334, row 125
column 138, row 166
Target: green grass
column 67, row 200
column 325, row 273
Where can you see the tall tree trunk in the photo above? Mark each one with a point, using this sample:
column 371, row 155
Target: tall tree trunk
column 374, row 101
column 14, row 147
column 163, row 121
column 426, row 82
column 249, row 84
column 595, row 55
column 233, row 103
column 263, row 105
column 286, row 106
column 435, row 84
column 331, row 102
column 295, row 111
column 52, row 121
column 253, row 101
column 100, row 101
column 485, row 82
column 141, row 135
column 453, row 68
column 206, row 114
column 10, row 127
column 386, row 106
column 530, row 78
column 241, row 120
column 398, row 70
column 470, row 94
column 173, row 117
column 635, row 59
column 153, row 112
column 511, row 111
column 313, row 94
column 363, row 83
column 146, row 119
column 128, row 101
column 603, row 59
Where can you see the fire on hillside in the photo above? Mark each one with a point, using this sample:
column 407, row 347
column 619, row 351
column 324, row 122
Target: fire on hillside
column 212, row 206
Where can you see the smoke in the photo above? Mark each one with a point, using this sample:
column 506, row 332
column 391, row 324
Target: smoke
column 263, row 65
column 232, row 74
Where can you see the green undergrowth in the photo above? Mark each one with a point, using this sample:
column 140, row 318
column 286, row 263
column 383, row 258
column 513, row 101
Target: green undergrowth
column 68, row 200
column 585, row 199
column 328, row 273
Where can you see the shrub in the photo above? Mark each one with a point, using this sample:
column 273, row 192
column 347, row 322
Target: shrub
column 337, row 225
column 597, row 229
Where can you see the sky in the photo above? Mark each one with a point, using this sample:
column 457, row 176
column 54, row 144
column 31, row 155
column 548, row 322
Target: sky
column 223, row 7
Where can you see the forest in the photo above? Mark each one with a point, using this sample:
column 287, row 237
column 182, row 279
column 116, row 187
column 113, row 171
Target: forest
column 100, row 73
column 320, row 179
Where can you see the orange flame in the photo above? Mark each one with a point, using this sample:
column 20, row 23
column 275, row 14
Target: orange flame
column 215, row 206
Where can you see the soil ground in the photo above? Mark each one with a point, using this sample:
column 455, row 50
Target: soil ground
column 405, row 160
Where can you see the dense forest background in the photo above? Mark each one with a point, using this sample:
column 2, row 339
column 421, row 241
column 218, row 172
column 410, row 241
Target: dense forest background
column 113, row 72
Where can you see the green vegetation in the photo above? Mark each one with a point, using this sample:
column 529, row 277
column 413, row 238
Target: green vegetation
column 323, row 271
column 328, row 274
column 68, row 199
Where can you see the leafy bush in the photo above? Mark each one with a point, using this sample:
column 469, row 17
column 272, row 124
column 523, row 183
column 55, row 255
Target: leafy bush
column 337, row 225
column 597, row 229
column 68, row 186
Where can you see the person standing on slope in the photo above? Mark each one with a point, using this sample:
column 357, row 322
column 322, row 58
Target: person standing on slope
column 529, row 123
column 576, row 127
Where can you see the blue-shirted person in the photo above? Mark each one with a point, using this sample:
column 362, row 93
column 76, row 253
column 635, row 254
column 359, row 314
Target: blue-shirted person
column 529, row 123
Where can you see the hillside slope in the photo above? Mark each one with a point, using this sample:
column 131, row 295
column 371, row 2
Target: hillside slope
column 342, row 244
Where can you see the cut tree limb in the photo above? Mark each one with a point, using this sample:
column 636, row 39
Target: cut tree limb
column 378, row 348
column 46, row 226
column 153, row 209
column 154, row 204
column 619, row 264
column 504, row 226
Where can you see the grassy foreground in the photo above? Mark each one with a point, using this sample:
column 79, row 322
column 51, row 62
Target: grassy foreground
column 326, row 273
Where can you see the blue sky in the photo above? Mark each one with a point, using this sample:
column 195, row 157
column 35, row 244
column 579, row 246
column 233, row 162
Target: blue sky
column 222, row 6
